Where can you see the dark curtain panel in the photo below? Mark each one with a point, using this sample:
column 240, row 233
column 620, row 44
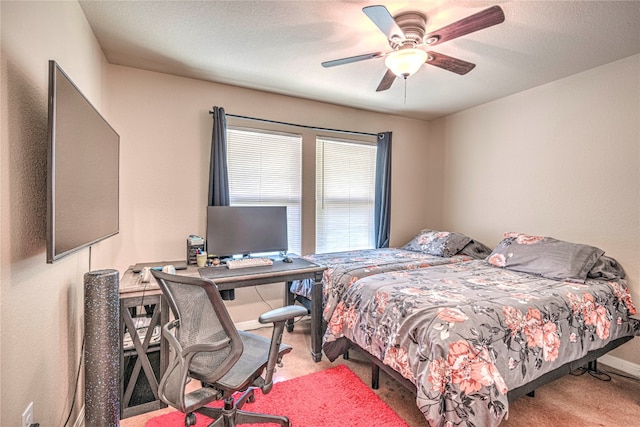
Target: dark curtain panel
column 382, row 207
column 218, row 175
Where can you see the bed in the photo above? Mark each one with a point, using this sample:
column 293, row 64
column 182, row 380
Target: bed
column 427, row 249
column 468, row 336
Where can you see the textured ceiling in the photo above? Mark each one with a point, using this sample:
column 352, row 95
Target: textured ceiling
column 278, row 46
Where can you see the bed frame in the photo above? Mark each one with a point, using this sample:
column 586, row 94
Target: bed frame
column 525, row 389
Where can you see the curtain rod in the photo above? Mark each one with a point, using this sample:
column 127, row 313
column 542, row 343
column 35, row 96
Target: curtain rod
column 300, row 126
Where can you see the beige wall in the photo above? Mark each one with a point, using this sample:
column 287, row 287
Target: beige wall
column 41, row 305
column 165, row 134
column 560, row 160
column 581, row 133
column 165, row 131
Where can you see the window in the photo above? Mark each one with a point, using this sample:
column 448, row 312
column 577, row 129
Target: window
column 345, row 192
column 265, row 169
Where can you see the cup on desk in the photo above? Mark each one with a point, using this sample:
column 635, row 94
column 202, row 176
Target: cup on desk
column 201, row 259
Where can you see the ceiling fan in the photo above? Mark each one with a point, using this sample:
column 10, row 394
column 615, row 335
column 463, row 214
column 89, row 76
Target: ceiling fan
column 406, row 33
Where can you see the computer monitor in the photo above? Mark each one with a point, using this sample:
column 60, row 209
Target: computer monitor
column 246, row 230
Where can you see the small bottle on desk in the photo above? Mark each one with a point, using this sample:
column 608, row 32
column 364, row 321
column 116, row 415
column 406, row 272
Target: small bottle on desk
column 213, row 261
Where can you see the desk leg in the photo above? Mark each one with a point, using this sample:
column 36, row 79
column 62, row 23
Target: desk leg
column 164, row 344
column 316, row 319
column 289, row 299
column 142, row 364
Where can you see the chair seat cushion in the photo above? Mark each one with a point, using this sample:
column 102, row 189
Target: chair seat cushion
column 252, row 361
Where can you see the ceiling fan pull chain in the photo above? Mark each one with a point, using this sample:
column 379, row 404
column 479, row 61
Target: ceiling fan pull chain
column 405, row 90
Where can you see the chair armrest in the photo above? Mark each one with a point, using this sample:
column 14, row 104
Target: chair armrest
column 278, row 318
column 281, row 314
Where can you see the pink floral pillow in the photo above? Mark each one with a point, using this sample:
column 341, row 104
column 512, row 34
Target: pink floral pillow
column 545, row 256
column 437, row 243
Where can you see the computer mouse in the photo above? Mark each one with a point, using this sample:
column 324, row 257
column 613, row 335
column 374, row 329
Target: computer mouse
column 287, row 259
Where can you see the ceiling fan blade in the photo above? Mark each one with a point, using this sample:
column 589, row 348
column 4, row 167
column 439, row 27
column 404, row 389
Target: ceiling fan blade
column 386, row 81
column 351, row 59
column 449, row 63
column 478, row 21
column 383, row 20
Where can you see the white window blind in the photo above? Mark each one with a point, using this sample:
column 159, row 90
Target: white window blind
column 345, row 188
column 265, row 170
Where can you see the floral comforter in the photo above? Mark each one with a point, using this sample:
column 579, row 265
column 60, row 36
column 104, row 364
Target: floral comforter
column 467, row 333
column 344, row 268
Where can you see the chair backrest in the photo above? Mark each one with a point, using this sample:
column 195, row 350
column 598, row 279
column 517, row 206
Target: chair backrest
column 207, row 337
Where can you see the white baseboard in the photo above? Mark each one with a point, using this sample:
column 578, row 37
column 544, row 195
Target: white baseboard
column 80, row 420
column 621, row 365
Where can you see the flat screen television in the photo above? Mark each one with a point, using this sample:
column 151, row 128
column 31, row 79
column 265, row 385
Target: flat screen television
column 246, row 230
column 82, row 170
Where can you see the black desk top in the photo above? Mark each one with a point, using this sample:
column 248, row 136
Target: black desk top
column 279, row 270
column 225, row 278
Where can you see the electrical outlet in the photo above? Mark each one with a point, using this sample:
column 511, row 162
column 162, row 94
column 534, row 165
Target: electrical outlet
column 27, row 416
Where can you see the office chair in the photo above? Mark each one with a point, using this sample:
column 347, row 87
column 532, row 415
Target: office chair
column 206, row 346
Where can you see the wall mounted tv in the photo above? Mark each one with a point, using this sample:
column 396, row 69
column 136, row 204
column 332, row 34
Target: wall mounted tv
column 82, row 170
column 243, row 230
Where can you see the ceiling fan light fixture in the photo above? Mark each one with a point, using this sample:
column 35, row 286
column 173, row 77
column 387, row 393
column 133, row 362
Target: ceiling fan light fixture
column 405, row 62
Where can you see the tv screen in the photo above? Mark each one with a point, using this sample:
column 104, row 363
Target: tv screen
column 82, row 171
column 243, row 230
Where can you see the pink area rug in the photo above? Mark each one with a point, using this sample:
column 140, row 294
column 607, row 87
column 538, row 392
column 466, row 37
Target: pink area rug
column 335, row 397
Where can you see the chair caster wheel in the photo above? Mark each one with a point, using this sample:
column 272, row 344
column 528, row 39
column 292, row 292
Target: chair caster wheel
column 190, row 420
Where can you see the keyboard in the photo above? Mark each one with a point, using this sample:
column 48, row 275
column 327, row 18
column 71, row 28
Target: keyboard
column 249, row 262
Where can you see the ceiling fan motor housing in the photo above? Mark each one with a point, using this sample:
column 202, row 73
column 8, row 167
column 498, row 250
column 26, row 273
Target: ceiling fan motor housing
column 413, row 26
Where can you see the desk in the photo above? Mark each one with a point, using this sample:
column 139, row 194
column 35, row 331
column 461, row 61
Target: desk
column 280, row 271
column 135, row 293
